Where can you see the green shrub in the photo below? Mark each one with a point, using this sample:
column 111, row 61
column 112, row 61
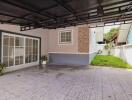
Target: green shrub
column 2, row 67
column 44, row 58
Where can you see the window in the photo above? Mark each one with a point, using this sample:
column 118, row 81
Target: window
column 65, row 37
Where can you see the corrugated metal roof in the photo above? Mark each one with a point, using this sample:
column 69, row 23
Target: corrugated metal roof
column 63, row 13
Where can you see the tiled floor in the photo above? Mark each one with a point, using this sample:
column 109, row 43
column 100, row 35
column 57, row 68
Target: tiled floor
column 67, row 84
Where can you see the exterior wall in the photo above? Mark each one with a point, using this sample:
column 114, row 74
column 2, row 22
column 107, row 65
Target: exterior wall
column 83, row 39
column 75, row 53
column 68, row 59
column 53, row 41
column 80, row 43
column 91, row 57
column 93, row 46
column 66, row 54
column 36, row 32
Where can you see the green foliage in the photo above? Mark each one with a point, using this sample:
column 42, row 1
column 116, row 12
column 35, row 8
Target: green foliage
column 111, row 34
column 2, row 66
column 110, row 61
column 106, row 46
column 99, row 52
column 44, row 58
column 109, row 47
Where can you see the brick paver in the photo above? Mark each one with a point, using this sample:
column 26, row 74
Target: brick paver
column 66, row 84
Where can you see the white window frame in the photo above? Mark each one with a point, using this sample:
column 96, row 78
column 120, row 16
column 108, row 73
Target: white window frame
column 65, row 43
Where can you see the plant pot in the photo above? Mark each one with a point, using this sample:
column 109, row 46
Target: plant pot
column 44, row 63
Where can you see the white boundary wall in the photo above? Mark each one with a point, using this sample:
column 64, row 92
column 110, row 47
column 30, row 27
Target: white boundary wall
column 124, row 52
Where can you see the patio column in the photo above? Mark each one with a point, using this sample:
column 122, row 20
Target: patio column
column 83, row 39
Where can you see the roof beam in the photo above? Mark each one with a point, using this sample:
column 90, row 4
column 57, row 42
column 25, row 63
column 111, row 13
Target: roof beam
column 67, row 21
column 4, row 14
column 43, row 9
column 32, row 13
column 105, row 4
column 114, row 2
column 85, row 13
column 100, row 11
column 28, row 9
column 14, row 23
column 65, row 6
column 94, row 17
column 16, row 18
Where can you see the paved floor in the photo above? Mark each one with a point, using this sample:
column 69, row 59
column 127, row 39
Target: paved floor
column 67, row 84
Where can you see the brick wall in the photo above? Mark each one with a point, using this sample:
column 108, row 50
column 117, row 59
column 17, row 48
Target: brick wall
column 83, row 39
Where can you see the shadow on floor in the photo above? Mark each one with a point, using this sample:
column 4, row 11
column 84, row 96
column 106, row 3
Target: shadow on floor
column 66, row 67
column 51, row 68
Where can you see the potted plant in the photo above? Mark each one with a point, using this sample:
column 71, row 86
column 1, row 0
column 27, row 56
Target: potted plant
column 2, row 67
column 44, row 60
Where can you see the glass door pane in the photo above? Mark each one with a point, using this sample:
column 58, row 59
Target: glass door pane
column 19, row 50
column 8, row 50
column 31, row 51
column 11, row 51
column 5, row 50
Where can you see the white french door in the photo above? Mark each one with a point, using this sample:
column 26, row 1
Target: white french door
column 18, row 50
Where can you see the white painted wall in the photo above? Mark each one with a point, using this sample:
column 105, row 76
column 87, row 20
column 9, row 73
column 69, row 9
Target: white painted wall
column 92, row 40
column 93, row 45
column 99, row 31
column 36, row 32
column 124, row 52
